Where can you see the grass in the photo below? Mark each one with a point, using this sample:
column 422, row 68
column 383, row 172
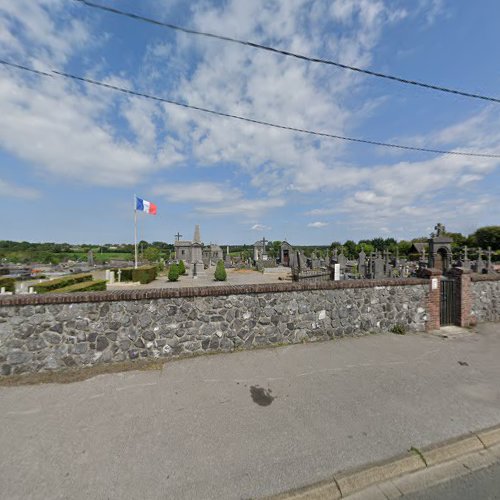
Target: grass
column 419, row 453
column 70, row 375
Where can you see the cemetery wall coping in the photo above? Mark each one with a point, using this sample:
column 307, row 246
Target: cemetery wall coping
column 485, row 277
column 190, row 292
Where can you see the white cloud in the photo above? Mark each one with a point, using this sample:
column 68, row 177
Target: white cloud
column 10, row 190
column 246, row 207
column 198, row 192
column 317, row 225
column 260, row 227
column 58, row 126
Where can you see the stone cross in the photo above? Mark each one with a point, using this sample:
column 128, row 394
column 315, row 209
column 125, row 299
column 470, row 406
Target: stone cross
column 489, row 253
column 178, row 236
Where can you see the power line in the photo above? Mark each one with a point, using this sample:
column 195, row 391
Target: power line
column 246, row 119
column 287, row 53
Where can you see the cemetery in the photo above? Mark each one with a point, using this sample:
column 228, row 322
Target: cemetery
column 139, row 315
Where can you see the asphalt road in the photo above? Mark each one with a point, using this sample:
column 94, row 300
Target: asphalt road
column 247, row 424
column 483, row 484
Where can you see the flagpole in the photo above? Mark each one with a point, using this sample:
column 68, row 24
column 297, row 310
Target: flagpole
column 135, row 231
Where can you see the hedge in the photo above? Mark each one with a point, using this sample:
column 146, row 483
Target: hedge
column 143, row 274
column 62, row 282
column 86, row 286
column 8, row 283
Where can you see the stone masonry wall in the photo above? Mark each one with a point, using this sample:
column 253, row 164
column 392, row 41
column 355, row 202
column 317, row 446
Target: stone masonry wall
column 50, row 332
column 486, row 298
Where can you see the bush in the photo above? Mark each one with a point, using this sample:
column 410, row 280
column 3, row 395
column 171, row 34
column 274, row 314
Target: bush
column 143, row 274
column 173, row 273
column 9, row 284
column 398, row 329
column 62, row 282
column 86, row 286
column 220, row 272
column 182, row 268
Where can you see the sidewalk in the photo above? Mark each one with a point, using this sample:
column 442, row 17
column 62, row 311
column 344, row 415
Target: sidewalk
column 248, row 424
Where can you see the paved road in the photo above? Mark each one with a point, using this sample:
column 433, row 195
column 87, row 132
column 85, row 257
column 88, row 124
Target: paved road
column 480, row 485
column 247, row 424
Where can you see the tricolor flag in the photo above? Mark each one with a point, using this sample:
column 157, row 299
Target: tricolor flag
column 145, row 206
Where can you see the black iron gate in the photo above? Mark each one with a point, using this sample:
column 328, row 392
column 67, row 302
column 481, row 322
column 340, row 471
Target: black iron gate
column 448, row 302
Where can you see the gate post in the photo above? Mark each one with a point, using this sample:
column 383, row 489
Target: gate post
column 434, row 298
column 462, row 278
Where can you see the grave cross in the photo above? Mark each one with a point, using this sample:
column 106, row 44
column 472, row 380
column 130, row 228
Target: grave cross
column 264, row 241
column 178, row 236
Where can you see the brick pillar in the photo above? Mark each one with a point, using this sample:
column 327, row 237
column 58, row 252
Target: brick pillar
column 462, row 279
column 434, row 298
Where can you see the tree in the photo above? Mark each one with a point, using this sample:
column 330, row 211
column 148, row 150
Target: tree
column 366, row 246
column 173, row 273
column 488, row 236
column 379, row 244
column 152, row 254
column 350, row 249
column 220, row 272
column 182, row 268
column 404, row 247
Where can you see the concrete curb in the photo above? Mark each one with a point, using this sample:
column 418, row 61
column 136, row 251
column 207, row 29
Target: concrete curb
column 347, row 483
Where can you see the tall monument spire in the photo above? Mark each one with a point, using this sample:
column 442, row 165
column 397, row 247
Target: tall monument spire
column 197, row 237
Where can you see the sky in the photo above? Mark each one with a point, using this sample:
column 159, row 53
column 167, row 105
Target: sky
column 72, row 155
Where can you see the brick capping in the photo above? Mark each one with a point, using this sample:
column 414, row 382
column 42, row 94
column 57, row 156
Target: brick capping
column 485, row 277
column 211, row 291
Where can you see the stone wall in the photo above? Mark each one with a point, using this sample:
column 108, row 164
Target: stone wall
column 486, row 298
column 50, row 332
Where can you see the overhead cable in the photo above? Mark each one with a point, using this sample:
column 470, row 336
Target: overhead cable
column 246, row 119
column 287, row 53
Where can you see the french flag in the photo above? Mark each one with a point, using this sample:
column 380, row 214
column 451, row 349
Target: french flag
column 145, row 206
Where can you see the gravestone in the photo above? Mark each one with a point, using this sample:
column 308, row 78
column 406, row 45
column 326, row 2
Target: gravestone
column 342, row 260
column 489, row 265
column 378, row 267
column 90, row 258
column 197, row 253
column 464, row 261
column 302, row 261
column 479, row 266
column 362, row 263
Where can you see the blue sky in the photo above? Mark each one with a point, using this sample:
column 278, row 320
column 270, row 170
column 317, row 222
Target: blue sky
column 72, row 155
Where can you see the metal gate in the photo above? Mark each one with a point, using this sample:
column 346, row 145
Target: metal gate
column 448, row 313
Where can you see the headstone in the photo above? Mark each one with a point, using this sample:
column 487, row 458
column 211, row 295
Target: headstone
column 197, row 253
column 489, row 264
column 378, row 267
column 478, row 268
column 90, row 258
column 464, row 261
column 119, row 274
column 342, row 260
column 362, row 263
column 301, row 261
column 336, row 272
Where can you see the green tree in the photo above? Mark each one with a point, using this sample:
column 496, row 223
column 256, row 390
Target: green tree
column 152, row 254
column 379, row 244
column 220, row 271
column 404, row 247
column 366, row 246
column 488, row 236
column 350, row 249
column 173, row 273
column 182, row 268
